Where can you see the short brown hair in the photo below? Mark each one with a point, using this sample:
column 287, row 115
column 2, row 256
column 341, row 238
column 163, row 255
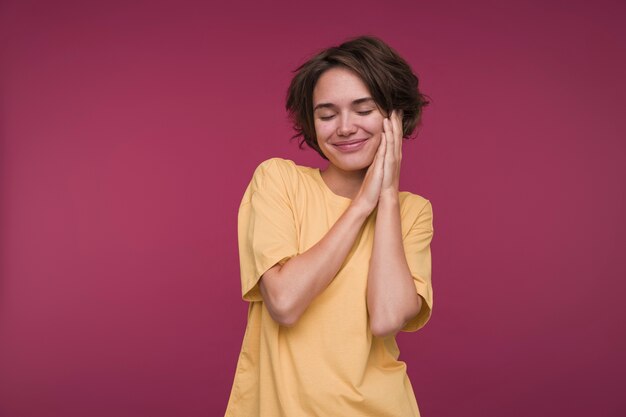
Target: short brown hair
column 387, row 75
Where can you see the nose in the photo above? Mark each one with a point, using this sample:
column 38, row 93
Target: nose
column 346, row 126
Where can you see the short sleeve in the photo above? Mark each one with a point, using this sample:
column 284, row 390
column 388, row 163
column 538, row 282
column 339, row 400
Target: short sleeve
column 266, row 224
column 417, row 251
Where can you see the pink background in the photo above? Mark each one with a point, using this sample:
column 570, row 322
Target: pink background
column 130, row 129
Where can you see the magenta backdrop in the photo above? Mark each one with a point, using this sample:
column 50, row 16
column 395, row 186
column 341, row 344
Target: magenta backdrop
column 130, row 129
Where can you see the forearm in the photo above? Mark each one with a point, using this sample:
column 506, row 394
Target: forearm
column 391, row 296
column 306, row 275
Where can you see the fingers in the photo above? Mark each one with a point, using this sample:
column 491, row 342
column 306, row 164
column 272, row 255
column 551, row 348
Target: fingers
column 393, row 129
column 392, row 134
column 389, row 137
column 379, row 157
column 371, row 186
column 382, row 148
column 380, row 151
column 396, row 122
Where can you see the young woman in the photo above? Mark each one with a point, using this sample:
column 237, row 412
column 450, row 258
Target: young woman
column 335, row 262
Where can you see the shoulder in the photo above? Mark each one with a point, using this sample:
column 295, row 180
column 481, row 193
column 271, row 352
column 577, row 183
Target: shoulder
column 414, row 204
column 274, row 166
column 277, row 174
column 416, row 211
column 280, row 170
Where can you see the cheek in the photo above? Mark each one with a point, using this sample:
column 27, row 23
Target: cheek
column 378, row 126
column 375, row 126
column 323, row 130
column 376, row 142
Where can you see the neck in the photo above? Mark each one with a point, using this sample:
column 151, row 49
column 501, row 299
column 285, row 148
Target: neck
column 343, row 183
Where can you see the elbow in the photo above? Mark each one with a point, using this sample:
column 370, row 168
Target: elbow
column 284, row 315
column 387, row 326
column 281, row 307
column 283, row 311
column 286, row 321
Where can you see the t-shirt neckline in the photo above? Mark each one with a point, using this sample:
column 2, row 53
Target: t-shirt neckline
column 328, row 191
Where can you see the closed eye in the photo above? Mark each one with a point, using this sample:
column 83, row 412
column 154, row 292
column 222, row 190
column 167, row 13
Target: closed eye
column 362, row 113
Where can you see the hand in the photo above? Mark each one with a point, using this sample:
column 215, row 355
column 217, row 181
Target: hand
column 369, row 193
column 392, row 138
column 383, row 175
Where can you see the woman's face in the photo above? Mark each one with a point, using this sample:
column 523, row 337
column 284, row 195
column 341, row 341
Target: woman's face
column 348, row 123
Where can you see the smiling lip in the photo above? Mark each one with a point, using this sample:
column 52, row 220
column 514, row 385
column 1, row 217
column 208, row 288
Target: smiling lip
column 349, row 146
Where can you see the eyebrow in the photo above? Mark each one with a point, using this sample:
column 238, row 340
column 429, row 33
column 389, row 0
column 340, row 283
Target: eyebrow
column 331, row 105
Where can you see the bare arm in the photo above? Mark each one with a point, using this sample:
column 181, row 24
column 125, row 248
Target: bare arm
column 391, row 296
column 288, row 290
column 392, row 299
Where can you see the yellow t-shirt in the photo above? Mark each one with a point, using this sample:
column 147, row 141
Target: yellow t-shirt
column 329, row 363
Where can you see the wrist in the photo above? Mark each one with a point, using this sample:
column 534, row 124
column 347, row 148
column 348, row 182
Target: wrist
column 389, row 196
column 360, row 210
